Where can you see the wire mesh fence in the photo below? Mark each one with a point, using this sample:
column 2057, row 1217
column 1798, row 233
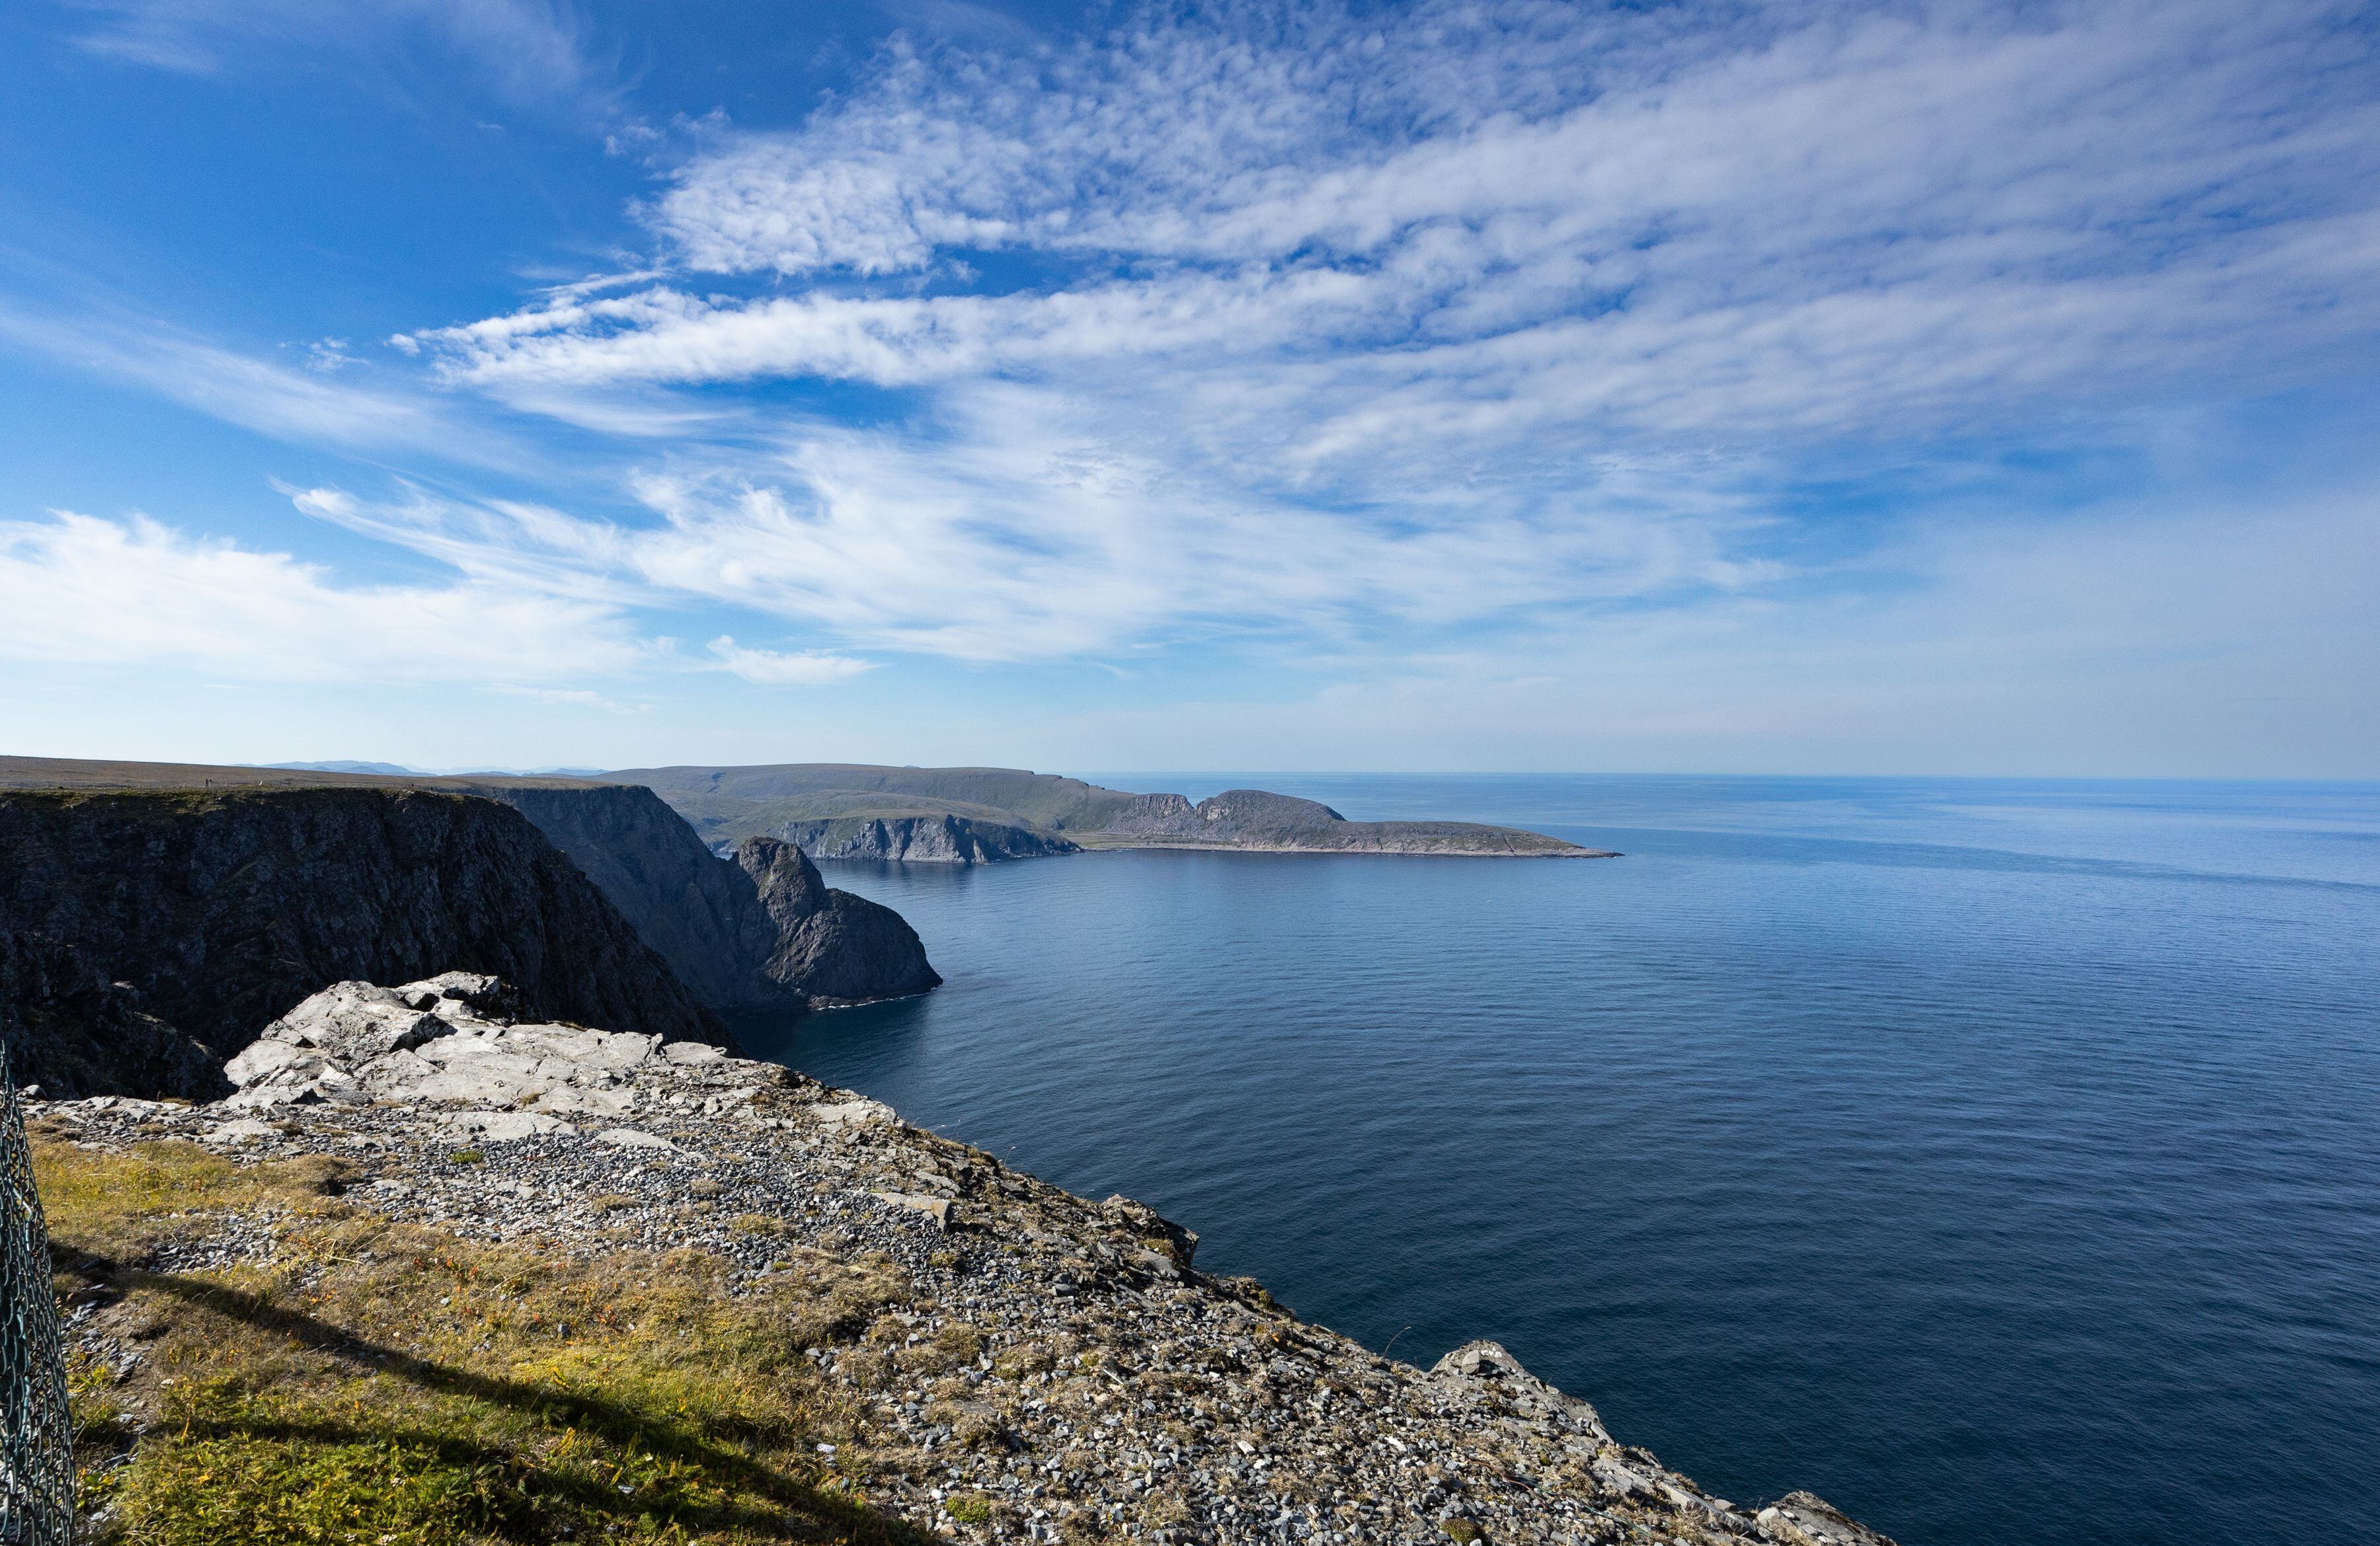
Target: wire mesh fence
column 37, row 1477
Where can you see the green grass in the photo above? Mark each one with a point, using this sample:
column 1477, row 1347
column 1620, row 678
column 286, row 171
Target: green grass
column 386, row 1385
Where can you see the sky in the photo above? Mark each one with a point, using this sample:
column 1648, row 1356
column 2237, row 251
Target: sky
column 1824, row 387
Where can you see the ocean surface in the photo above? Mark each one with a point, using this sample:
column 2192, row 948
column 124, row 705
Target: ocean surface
column 1999, row 1159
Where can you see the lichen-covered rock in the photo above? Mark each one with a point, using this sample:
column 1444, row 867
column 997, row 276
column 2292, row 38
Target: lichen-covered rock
column 220, row 907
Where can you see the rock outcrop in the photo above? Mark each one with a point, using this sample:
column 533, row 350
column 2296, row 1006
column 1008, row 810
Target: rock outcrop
column 831, row 947
column 144, row 937
column 922, row 839
column 451, row 1039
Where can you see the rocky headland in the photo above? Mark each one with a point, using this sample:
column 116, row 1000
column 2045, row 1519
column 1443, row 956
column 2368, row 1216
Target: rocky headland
column 433, row 1267
column 1254, row 820
column 967, row 815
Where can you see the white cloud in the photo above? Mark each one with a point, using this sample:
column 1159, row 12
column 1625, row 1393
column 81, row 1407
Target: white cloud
column 1372, row 334
column 81, row 589
column 769, row 667
column 1475, row 224
column 1019, row 539
column 291, row 405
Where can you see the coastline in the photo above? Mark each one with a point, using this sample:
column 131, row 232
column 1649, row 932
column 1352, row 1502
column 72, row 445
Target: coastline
column 1573, row 853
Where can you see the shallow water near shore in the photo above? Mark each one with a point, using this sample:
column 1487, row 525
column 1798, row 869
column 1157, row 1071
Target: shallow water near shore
column 2001, row 1160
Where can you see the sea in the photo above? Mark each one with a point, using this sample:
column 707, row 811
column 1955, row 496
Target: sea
column 1999, row 1159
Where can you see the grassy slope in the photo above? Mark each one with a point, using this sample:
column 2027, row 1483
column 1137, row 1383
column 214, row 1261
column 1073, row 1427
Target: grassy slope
column 81, row 773
column 393, row 1385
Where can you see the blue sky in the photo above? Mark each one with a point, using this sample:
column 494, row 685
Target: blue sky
column 1824, row 388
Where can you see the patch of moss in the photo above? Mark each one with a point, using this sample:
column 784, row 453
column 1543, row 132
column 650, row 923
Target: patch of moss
column 969, row 1508
column 390, row 1384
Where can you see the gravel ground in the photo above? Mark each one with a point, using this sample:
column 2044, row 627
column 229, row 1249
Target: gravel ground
column 1120, row 1392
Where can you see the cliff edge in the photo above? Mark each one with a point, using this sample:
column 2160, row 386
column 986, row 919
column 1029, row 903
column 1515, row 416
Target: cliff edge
column 665, row 1293
column 703, row 913
column 147, row 936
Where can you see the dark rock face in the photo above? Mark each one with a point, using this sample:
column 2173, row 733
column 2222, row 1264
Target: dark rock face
column 744, row 935
column 147, row 936
column 699, row 912
column 929, row 840
column 832, row 948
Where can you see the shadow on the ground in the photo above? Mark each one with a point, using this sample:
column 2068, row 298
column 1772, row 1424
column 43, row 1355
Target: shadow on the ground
column 799, row 1510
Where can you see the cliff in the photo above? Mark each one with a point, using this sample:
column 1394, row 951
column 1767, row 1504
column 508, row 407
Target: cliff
column 663, row 1293
column 701, row 912
column 978, row 814
column 144, row 937
column 920, row 839
column 829, row 946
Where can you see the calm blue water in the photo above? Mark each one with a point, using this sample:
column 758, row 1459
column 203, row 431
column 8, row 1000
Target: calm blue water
column 1999, row 1159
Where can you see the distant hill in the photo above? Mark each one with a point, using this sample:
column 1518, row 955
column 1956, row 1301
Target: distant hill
column 980, row 814
column 341, row 767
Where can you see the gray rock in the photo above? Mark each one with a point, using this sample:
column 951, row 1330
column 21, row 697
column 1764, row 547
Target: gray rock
column 832, row 948
column 935, row 1208
column 1806, row 1519
column 633, row 1137
column 506, row 1127
column 1485, row 1367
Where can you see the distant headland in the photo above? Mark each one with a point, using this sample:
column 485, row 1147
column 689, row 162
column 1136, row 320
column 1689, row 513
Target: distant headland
column 970, row 815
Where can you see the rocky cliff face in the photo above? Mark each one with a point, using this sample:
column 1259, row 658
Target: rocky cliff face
column 762, row 932
column 832, row 948
column 928, row 839
column 701, row 912
column 145, row 936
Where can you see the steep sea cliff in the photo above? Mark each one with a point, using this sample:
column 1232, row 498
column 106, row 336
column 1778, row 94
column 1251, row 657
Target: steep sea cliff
column 738, row 945
column 145, row 936
column 757, row 930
